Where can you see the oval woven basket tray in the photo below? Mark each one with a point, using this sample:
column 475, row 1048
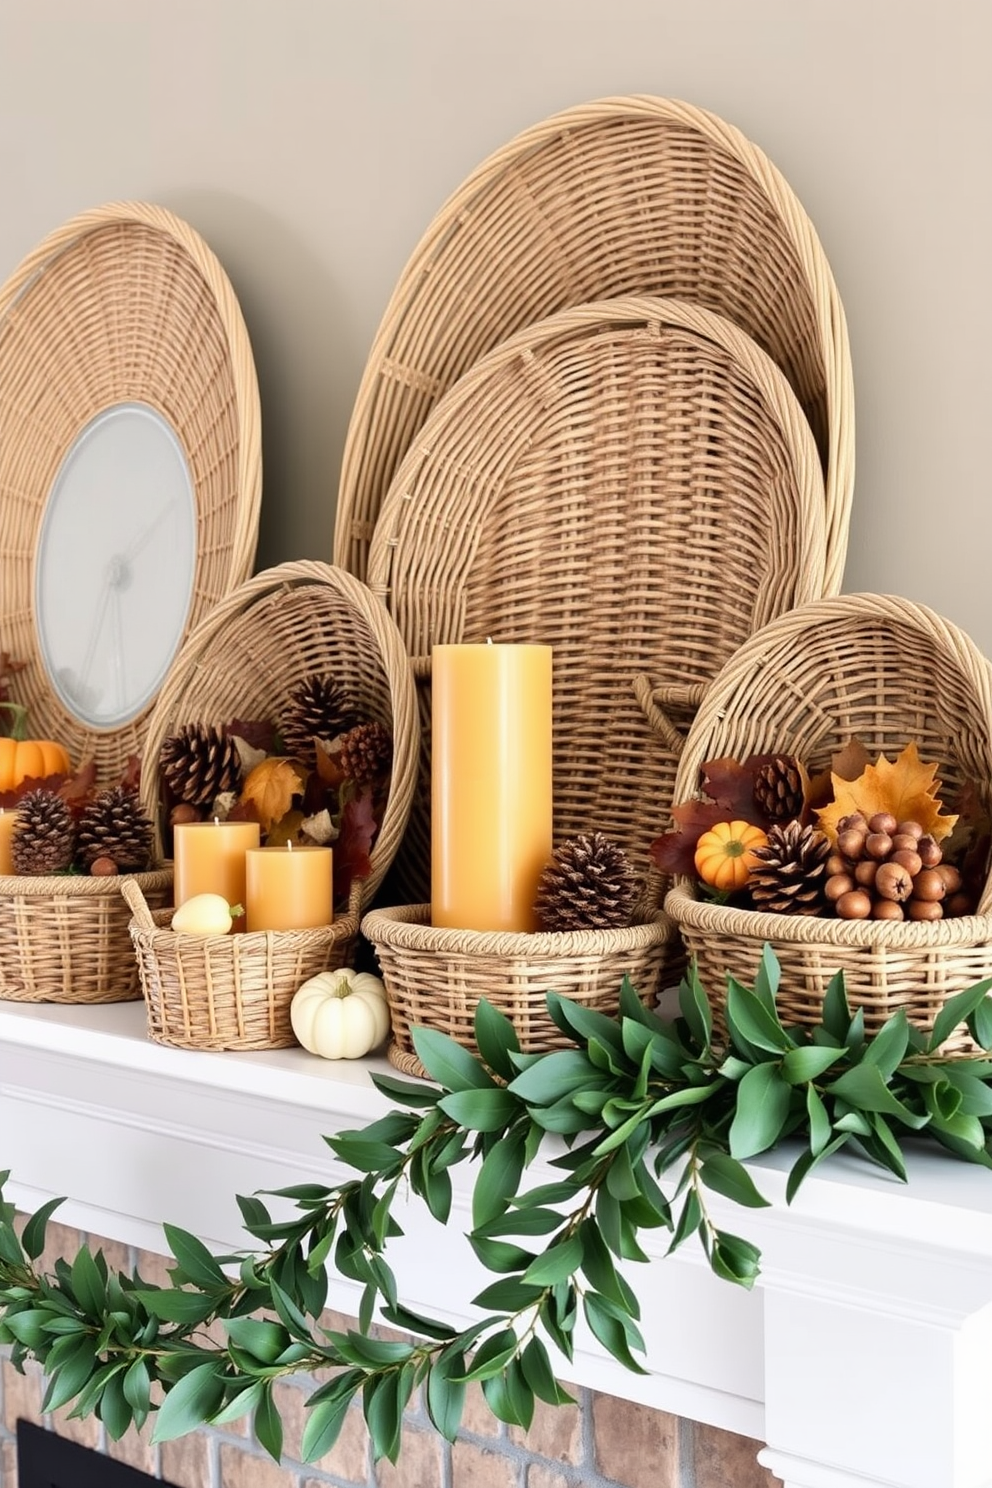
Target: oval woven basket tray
column 620, row 196
column 889, row 672
column 122, row 305
column 633, row 483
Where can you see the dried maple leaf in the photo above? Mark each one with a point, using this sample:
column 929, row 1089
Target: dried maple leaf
column 286, row 829
column 906, row 787
column 270, row 788
column 730, row 782
column 848, row 763
column 674, row 852
column 354, row 844
column 328, row 752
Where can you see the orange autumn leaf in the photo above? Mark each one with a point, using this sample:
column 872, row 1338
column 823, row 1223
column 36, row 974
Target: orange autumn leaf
column 907, row 787
column 270, row 788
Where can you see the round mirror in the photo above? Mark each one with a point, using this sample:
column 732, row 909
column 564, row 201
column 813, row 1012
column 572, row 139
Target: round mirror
column 115, row 564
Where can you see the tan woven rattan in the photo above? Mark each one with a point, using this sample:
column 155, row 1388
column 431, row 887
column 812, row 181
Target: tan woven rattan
column 888, row 671
column 65, row 939
column 632, row 482
column 125, row 303
column 620, row 196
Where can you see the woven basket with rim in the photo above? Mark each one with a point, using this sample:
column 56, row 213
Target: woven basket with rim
column 620, row 196
column 243, row 661
column 123, row 304
column 633, row 483
column 888, row 671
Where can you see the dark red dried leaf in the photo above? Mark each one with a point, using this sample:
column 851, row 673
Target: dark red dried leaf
column 673, row 852
column 730, row 782
column 260, row 733
column 354, row 844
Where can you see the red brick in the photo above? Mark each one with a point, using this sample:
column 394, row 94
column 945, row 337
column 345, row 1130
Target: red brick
column 8, row 1464
column 420, row 1461
column 135, row 1449
column 555, row 1432
column 724, row 1460
column 22, row 1394
column 240, row 1469
column 635, row 1445
column 61, row 1242
column 477, row 1467
column 186, row 1462
column 84, row 1430
column 477, row 1417
column 117, row 1256
column 539, row 1476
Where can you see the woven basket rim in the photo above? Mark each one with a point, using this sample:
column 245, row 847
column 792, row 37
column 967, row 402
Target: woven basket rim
column 406, row 927
column 79, row 885
column 415, row 280
column 160, row 938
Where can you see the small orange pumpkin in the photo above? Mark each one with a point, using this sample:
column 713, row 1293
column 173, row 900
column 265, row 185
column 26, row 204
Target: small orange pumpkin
column 28, row 759
column 725, row 854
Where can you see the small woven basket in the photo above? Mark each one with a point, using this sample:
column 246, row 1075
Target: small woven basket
column 244, row 660
column 889, row 672
column 230, row 991
column 65, row 939
column 435, row 978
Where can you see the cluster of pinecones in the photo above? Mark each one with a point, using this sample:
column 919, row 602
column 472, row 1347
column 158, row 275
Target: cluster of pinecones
column 110, row 835
column 202, row 762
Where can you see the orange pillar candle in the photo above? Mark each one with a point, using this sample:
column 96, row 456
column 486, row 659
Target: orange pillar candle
column 289, row 888
column 210, row 858
column 491, row 784
column 8, row 821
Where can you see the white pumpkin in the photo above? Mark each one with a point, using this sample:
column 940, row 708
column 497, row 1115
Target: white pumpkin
column 340, row 1014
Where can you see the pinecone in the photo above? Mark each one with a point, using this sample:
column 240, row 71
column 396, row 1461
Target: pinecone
column 199, row 763
column 790, row 876
column 44, row 839
column 589, row 884
column 317, row 710
column 367, row 752
column 778, row 789
column 114, row 826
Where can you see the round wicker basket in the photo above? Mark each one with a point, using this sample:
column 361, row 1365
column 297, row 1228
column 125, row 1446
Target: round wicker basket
column 620, row 196
column 243, row 661
column 888, row 671
column 123, row 304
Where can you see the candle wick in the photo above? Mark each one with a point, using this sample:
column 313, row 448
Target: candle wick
column 489, row 640
column 290, row 846
column 216, row 821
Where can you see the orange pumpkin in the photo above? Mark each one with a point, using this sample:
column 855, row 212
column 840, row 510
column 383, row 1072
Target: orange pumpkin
column 23, row 759
column 725, row 854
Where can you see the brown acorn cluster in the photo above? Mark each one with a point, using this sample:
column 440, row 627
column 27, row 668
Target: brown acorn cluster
column 884, row 869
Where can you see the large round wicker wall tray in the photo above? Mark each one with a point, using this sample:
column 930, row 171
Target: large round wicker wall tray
column 621, row 196
column 121, row 326
column 632, row 482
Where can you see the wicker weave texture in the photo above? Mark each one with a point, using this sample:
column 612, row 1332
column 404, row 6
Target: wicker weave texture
column 65, row 939
column 436, row 978
column 622, row 196
column 888, row 671
column 125, row 303
column 633, row 483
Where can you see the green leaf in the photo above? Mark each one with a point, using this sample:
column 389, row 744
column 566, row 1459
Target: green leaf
column 195, row 1260
column 383, row 1415
column 976, row 1095
column 370, row 1353
column 75, row 1367
column 724, row 1175
column 481, row 1110
column 254, row 1214
column 509, row 1295
column 537, row 1371
column 267, row 1424
column 585, row 1024
column 819, row 1121
column 264, row 1341
column 448, row 1062
column 446, row 1393
column 416, row 1095
column 688, row 1221
column 612, row 1331
column 492, row 1355
column 597, row 1264
column 505, row 1402
column 554, row 1076
column 896, row 1163
column 805, row 1164
column 497, row 1255
column 190, row 1403
column 498, row 1179
column 836, row 1009
column 28, row 1327
column 957, row 1010
column 763, row 1101
column 364, row 1156
column 496, row 1038
column 888, row 1048
column 88, row 1284
column 980, row 1024
column 114, row 1410
column 735, row 1259
column 323, row 1426
column 521, row 1222
column 766, row 980
column 137, row 1387
column 244, row 1400
column 557, row 1263
column 171, row 1305
column 750, row 1021
column 808, row 1063
column 33, row 1237
column 694, row 1007
column 864, row 1088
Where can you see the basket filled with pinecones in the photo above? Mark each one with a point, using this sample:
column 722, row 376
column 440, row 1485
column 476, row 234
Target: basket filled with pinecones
column 63, row 920
column 598, row 924
column 291, row 706
column 834, row 800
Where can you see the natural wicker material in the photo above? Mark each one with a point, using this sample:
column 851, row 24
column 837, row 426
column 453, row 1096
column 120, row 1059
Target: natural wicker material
column 230, row 991
column 245, row 660
column 620, row 196
column 435, row 978
column 65, row 938
column 633, row 483
column 888, row 671
column 125, row 303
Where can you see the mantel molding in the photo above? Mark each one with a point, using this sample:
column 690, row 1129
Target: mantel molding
column 863, row 1358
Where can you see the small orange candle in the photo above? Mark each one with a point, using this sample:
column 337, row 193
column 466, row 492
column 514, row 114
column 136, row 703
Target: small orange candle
column 491, row 784
column 8, row 821
column 289, row 888
column 210, row 859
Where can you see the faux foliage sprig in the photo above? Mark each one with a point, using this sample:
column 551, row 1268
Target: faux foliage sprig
column 638, row 1102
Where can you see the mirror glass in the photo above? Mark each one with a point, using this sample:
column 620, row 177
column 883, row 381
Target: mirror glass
column 115, row 564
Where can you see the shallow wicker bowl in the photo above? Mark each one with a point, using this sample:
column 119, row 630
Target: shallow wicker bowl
column 435, row 978
column 230, row 991
column 65, row 939
column 122, row 304
column 620, row 196
column 890, row 672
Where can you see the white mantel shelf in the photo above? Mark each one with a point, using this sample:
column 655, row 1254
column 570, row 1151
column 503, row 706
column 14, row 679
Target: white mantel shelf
column 863, row 1357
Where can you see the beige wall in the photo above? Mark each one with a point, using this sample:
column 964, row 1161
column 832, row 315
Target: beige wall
column 310, row 141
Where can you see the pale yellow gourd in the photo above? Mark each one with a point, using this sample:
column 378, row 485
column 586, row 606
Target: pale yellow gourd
column 340, row 1014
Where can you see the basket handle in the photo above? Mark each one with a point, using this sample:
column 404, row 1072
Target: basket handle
column 652, row 700
column 137, row 903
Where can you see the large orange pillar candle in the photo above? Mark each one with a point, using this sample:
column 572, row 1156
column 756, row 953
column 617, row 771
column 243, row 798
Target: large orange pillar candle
column 8, row 821
column 491, row 784
column 289, row 888
column 210, row 859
